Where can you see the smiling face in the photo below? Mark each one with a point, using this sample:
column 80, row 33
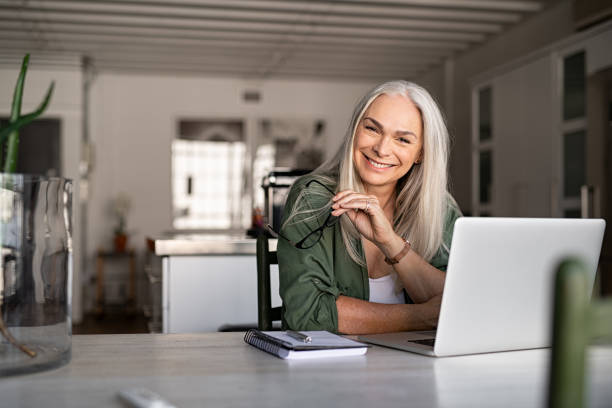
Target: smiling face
column 388, row 141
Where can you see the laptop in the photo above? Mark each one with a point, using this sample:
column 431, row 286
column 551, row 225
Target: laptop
column 498, row 293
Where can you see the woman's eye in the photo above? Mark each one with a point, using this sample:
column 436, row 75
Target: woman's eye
column 403, row 140
column 370, row 128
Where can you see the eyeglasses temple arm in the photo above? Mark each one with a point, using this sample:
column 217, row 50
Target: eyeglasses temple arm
column 277, row 235
column 270, row 230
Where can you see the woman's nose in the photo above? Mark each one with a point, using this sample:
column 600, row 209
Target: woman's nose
column 382, row 146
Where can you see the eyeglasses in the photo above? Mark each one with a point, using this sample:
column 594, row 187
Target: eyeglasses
column 313, row 236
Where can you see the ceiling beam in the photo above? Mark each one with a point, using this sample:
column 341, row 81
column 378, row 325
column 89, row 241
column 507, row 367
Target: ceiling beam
column 41, row 30
column 307, row 8
column 162, row 25
column 200, row 15
column 506, row 5
column 88, row 49
column 93, row 44
column 314, row 75
column 222, row 68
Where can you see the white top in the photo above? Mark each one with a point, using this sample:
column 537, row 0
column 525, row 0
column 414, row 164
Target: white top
column 382, row 290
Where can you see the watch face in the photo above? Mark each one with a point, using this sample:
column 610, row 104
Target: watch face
column 390, row 261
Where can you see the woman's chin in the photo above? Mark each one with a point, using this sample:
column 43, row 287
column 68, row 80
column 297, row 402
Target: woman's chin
column 377, row 180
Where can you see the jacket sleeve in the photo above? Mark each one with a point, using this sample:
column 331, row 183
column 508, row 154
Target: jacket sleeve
column 308, row 286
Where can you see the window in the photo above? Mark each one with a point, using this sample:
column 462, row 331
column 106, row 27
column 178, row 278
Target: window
column 262, row 165
column 574, row 82
column 485, row 160
column 482, row 156
column 217, row 170
column 573, row 132
column 208, row 165
column 484, row 114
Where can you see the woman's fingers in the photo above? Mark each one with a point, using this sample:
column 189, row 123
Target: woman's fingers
column 354, row 205
column 350, row 203
column 342, row 194
column 365, row 213
column 356, row 201
column 340, row 211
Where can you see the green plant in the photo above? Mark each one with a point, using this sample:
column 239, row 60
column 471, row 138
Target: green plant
column 121, row 207
column 9, row 146
column 9, row 135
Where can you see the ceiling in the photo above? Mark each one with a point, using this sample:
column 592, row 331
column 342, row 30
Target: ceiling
column 343, row 39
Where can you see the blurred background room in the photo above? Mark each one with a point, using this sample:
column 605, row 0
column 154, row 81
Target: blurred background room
column 183, row 122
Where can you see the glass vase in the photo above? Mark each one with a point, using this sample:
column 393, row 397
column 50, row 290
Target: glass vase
column 35, row 272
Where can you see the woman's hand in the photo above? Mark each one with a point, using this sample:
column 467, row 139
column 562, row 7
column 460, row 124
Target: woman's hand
column 366, row 214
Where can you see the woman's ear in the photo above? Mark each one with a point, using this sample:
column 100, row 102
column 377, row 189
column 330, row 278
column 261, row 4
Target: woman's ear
column 419, row 159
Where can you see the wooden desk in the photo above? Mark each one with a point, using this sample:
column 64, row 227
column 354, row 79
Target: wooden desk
column 220, row 370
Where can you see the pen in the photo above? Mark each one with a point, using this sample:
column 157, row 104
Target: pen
column 299, row 336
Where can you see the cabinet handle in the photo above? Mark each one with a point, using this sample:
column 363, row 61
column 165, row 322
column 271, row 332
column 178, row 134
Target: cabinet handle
column 590, row 203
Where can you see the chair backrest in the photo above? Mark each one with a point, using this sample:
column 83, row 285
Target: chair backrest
column 577, row 322
column 266, row 314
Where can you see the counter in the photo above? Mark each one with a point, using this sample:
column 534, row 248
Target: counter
column 203, row 244
column 205, row 282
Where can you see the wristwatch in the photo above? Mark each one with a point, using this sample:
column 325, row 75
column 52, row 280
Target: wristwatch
column 398, row 257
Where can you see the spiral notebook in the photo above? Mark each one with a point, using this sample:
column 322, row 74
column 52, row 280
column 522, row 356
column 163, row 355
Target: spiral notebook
column 323, row 344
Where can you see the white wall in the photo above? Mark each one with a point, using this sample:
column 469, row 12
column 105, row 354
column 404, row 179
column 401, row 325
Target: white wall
column 134, row 119
column 66, row 104
column 542, row 29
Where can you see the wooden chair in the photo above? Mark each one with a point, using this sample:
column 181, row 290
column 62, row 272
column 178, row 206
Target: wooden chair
column 266, row 314
column 577, row 322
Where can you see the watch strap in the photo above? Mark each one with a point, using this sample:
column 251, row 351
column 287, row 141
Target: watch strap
column 400, row 255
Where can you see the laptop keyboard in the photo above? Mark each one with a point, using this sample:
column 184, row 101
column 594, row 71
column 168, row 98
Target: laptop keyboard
column 427, row 342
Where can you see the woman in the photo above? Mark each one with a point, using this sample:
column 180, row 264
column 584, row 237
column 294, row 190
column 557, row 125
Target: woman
column 376, row 262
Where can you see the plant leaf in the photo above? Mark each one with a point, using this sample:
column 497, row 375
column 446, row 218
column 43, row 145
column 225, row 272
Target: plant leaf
column 18, row 94
column 25, row 119
column 16, row 110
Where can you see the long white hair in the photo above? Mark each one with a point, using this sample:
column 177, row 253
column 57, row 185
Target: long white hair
column 422, row 193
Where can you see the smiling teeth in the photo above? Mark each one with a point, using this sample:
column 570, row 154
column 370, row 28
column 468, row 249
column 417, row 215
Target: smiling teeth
column 379, row 165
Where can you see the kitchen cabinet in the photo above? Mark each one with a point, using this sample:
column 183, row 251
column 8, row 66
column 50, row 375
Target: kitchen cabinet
column 534, row 141
column 209, row 282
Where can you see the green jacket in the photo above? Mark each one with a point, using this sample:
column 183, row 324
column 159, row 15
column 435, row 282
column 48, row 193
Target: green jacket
column 312, row 279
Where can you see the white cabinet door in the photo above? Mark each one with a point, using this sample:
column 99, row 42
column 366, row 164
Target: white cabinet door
column 523, row 145
column 203, row 293
column 523, row 123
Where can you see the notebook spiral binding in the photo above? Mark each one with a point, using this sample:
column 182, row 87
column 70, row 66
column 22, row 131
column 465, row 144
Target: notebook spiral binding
column 252, row 338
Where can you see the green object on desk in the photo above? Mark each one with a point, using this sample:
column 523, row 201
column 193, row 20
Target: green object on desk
column 266, row 314
column 577, row 322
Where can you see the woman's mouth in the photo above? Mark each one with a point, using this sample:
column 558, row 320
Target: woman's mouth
column 376, row 164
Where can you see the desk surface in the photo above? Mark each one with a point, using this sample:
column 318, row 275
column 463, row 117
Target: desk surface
column 220, row 370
